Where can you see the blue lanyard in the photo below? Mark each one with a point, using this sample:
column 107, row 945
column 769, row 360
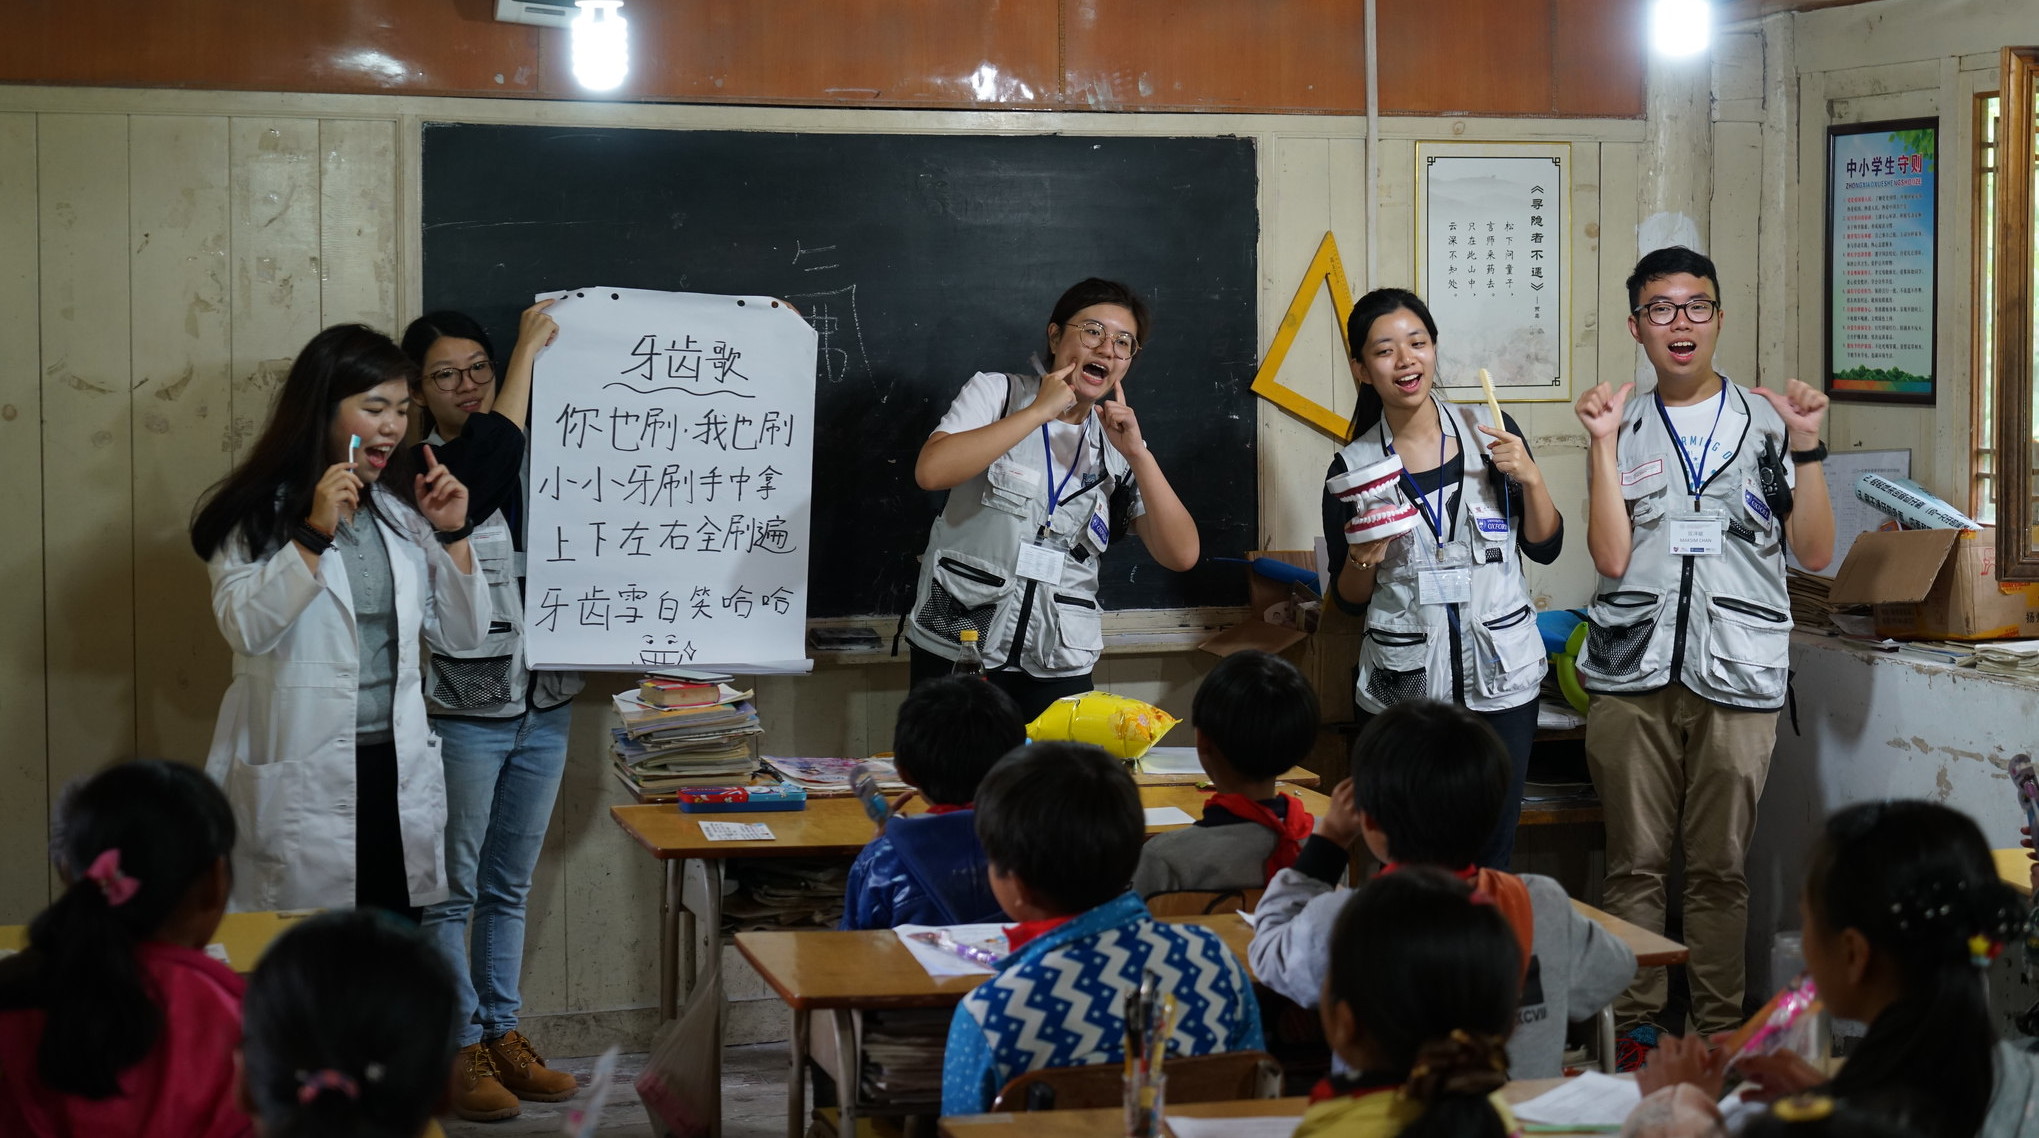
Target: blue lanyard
column 1693, row 479
column 1434, row 516
column 1055, row 488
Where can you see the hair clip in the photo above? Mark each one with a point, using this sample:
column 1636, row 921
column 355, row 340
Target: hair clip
column 1982, row 949
column 1803, row 1108
column 312, row 1084
column 105, row 873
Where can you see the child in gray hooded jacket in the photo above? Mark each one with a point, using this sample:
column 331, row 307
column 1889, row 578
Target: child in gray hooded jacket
column 1427, row 785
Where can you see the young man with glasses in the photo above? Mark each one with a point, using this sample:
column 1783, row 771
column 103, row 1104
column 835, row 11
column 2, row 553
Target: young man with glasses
column 1695, row 490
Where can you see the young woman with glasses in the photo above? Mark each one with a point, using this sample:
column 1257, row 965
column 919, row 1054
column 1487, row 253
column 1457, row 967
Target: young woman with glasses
column 503, row 727
column 1045, row 473
column 1448, row 614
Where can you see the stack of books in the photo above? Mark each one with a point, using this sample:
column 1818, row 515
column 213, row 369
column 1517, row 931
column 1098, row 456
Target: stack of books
column 683, row 731
column 830, row 777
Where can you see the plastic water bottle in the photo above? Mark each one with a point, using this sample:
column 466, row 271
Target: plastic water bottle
column 971, row 662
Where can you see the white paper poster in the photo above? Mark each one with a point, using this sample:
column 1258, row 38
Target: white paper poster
column 670, row 483
column 1491, row 266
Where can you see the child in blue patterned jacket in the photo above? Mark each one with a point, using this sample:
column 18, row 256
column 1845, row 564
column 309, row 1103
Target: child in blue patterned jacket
column 1062, row 826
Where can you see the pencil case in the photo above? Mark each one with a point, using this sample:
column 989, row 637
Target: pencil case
column 741, row 799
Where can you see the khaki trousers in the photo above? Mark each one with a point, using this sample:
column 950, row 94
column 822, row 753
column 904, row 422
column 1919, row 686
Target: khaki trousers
column 1668, row 766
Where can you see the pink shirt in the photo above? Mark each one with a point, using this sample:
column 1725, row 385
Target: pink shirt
column 183, row 1087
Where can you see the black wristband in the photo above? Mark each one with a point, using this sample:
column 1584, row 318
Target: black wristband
column 309, row 536
column 1816, row 454
column 449, row 536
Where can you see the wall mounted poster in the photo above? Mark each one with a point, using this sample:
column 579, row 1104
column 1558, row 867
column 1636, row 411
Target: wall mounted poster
column 1492, row 262
column 1882, row 286
column 672, row 444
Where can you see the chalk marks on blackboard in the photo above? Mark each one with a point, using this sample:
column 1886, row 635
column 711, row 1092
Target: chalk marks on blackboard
column 800, row 251
column 833, row 316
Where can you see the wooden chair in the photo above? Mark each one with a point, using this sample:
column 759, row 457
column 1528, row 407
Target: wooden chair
column 1202, row 902
column 1222, row 1077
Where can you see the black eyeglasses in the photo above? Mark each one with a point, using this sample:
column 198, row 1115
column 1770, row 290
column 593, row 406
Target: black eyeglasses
column 449, row 378
column 1663, row 311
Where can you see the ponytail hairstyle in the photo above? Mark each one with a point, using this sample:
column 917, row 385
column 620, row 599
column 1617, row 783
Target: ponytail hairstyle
column 132, row 841
column 271, row 490
column 1359, row 325
column 419, row 337
column 1431, row 975
column 1917, row 881
column 348, row 1029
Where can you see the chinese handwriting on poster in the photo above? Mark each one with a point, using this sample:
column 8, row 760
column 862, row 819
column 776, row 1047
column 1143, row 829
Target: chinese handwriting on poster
column 671, row 470
column 1882, row 230
column 1491, row 261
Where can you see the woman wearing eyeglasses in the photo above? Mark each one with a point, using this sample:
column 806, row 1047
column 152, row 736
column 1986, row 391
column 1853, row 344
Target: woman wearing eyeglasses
column 503, row 728
column 1045, row 472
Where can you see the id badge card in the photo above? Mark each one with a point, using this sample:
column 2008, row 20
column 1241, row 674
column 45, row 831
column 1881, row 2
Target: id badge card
column 1492, row 523
column 1100, row 527
column 1758, row 507
column 1697, row 534
column 1441, row 585
column 1039, row 562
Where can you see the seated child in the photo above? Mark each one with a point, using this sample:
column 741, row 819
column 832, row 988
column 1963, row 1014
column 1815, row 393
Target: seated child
column 928, row 869
column 350, row 1029
column 1061, row 824
column 1901, row 915
column 1427, row 788
column 114, row 1020
column 1255, row 717
column 1418, row 1002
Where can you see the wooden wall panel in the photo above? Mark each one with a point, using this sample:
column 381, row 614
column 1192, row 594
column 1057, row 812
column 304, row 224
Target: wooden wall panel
column 1483, row 57
column 24, row 762
column 182, row 367
column 358, row 223
column 937, row 53
column 1598, row 65
column 1462, row 57
column 88, row 469
column 1273, row 55
column 274, row 203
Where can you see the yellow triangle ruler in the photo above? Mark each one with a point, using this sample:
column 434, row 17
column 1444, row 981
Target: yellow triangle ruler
column 1325, row 267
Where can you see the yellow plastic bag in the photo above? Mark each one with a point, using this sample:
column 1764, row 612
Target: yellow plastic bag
column 1124, row 727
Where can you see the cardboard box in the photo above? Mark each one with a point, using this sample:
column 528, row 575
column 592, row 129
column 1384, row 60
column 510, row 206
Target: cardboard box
column 1327, row 657
column 1935, row 584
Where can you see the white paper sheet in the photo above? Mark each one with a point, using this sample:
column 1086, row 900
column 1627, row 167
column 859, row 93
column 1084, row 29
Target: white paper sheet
column 1592, row 1099
column 1854, row 517
column 672, row 443
column 736, row 832
column 1269, row 1127
column 1170, row 760
column 1168, row 816
column 939, row 963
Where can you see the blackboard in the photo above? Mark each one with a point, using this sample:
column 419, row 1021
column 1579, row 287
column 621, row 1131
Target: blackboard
column 919, row 259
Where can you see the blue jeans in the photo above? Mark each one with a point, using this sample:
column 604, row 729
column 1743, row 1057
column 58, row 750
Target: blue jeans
column 502, row 776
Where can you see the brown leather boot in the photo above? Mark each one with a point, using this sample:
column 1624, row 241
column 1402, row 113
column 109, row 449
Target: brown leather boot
column 478, row 1095
column 524, row 1074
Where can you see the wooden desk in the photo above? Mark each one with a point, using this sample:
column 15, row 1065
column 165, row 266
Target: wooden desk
column 1651, row 950
column 245, row 936
column 2015, row 867
column 825, row 970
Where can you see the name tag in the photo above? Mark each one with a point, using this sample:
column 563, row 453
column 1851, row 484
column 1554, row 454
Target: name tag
column 1038, row 562
column 1491, row 523
column 1755, row 503
column 1696, row 535
column 1442, row 586
column 1100, row 524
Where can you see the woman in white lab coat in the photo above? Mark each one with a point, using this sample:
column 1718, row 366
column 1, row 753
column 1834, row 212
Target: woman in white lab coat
column 328, row 554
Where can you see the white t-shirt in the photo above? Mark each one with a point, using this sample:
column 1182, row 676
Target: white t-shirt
column 982, row 403
column 1692, row 425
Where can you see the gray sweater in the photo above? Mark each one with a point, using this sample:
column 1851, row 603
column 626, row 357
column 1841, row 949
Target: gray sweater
column 1205, row 857
column 1575, row 966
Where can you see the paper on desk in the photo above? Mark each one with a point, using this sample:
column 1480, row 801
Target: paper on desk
column 736, row 832
column 1170, row 760
column 1592, row 1099
column 1251, row 918
column 1273, row 1126
column 218, row 952
column 939, row 963
column 1168, row 816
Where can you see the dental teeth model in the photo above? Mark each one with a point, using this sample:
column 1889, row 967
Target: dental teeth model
column 1381, row 512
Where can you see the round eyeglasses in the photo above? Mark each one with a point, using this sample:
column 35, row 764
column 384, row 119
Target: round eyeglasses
column 449, row 378
column 1124, row 346
column 1663, row 311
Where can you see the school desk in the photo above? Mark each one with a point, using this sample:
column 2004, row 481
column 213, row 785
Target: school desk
column 1651, row 951
column 1292, row 777
column 245, row 936
column 2015, row 867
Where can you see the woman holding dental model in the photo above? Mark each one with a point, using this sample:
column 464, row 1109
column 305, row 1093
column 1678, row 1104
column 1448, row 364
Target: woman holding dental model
column 1045, row 472
column 1433, row 540
column 329, row 553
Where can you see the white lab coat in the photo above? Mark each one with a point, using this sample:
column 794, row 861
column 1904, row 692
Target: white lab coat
column 283, row 748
